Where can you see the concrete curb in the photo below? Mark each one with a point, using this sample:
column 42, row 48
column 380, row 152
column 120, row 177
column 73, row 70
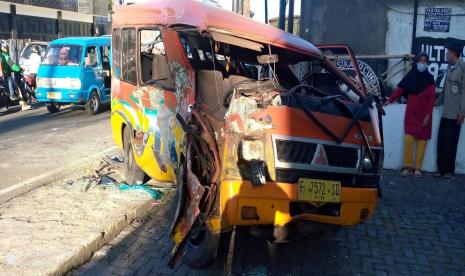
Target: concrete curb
column 85, row 253
column 28, row 185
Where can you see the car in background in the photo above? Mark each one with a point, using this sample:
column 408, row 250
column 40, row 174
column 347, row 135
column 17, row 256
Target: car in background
column 27, row 50
column 75, row 70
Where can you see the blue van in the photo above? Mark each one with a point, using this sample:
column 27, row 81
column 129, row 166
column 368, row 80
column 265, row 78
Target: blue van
column 75, row 70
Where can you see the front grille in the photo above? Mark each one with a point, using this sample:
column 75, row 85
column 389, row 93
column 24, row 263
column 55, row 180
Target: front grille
column 294, row 151
column 342, row 157
column 299, row 152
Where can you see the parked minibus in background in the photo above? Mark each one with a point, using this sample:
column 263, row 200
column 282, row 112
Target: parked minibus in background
column 75, row 70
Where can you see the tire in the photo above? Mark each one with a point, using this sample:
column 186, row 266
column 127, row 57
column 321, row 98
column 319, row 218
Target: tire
column 53, row 108
column 93, row 106
column 134, row 175
column 202, row 249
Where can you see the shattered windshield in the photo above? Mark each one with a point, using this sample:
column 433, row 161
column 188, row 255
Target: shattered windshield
column 283, row 67
column 318, row 74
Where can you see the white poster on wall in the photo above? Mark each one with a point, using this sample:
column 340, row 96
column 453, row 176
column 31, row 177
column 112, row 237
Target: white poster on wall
column 85, row 6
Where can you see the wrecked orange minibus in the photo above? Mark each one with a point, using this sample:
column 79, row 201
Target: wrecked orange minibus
column 257, row 127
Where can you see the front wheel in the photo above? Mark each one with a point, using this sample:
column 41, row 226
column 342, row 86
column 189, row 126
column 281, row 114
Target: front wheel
column 94, row 105
column 132, row 172
column 53, row 108
column 202, row 247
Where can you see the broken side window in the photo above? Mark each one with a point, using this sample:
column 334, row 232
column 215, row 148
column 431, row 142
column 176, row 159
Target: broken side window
column 153, row 60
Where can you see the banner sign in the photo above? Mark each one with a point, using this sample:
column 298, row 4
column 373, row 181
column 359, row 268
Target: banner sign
column 436, row 50
column 437, row 20
column 85, row 6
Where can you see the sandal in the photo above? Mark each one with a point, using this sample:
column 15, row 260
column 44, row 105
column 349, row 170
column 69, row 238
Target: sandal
column 437, row 175
column 406, row 172
column 448, row 176
column 418, row 173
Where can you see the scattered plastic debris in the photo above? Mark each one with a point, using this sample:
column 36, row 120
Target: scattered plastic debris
column 107, row 166
column 116, row 161
column 156, row 194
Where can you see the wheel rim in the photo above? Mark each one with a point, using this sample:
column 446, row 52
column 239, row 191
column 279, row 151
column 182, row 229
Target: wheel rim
column 93, row 103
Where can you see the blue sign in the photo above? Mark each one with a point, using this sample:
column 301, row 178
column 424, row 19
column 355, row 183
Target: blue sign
column 437, row 20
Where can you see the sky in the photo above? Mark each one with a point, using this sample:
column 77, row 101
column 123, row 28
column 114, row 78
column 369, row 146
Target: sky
column 258, row 7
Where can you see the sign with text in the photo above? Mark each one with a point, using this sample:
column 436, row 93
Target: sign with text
column 436, row 50
column 437, row 19
column 85, row 6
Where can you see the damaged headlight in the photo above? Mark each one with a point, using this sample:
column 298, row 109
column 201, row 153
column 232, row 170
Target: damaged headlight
column 253, row 150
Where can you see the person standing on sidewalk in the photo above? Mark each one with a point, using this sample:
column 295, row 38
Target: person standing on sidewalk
column 419, row 89
column 453, row 112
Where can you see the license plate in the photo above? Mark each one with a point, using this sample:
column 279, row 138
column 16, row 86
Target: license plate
column 54, row 95
column 319, row 190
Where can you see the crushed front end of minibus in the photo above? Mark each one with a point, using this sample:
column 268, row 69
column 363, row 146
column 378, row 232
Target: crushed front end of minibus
column 264, row 130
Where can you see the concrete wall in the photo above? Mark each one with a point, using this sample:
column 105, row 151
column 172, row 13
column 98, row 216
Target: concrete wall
column 393, row 127
column 375, row 27
column 400, row 27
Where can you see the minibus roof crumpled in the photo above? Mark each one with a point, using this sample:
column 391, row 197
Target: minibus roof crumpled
column 207, row 18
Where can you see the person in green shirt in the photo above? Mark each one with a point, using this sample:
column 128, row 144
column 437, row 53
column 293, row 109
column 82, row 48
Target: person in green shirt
column 8, row 67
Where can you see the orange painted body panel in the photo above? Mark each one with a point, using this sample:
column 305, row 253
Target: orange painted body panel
column 272, row 203
column 281, row 118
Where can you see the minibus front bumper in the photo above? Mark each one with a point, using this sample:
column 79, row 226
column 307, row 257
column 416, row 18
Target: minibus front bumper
column 278, row 204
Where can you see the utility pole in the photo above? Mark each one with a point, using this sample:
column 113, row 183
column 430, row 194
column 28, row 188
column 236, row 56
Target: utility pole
column 266, row 11
column 290, row 17
column 282, row 14
column 414, row 33
column 237, row 6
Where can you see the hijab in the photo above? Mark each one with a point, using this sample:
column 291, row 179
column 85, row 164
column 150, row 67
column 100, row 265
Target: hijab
column 415, row 81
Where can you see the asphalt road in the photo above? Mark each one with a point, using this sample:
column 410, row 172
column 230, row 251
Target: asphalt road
column 418, row 229
column 35, row 142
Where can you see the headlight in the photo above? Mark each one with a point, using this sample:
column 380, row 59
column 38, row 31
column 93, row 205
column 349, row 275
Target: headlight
column 40, row 82
column 252, row 150
column 367, row 163
column 75, row 83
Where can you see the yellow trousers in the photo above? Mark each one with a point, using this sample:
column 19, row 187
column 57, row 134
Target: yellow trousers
column 410, row 142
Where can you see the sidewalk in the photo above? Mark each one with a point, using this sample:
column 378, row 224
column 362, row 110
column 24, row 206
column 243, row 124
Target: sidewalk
column 59, row 226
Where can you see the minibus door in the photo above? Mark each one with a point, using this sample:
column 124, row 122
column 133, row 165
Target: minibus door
column 92, row 72
column 104, row 71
